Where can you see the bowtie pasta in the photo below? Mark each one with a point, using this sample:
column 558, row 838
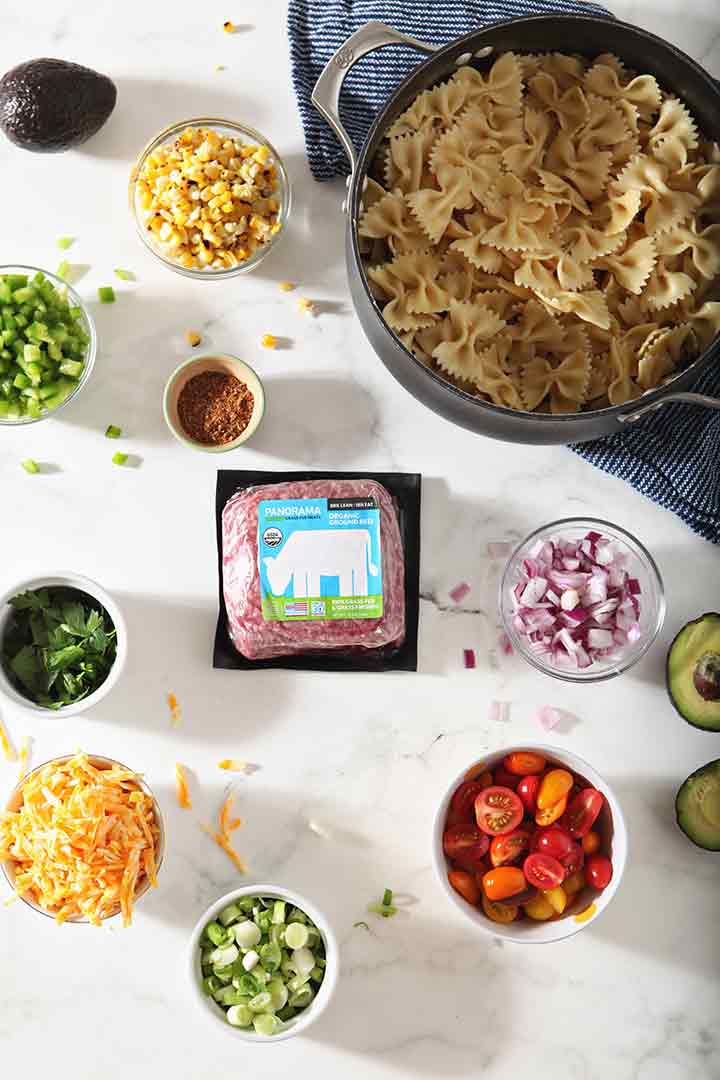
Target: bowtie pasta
column 546, row 235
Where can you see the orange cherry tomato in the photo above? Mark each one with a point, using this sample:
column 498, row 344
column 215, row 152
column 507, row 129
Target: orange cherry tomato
column 524, row 763
column 503, row 882
column 465, row 884
column 547, row 817
column 500, row 913
column 555, row 785
column 590, row 843
column 508, row 848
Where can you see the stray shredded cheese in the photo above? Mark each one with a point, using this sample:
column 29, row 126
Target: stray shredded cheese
column 24, row 755
column 83, row 839
column 181, row 786
column 235, row 765
column 6, row 745
column 222, row 835
column 175, row 711
column 287, row 286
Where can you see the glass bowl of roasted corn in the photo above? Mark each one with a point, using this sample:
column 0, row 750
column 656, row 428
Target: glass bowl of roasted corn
column 210, row 197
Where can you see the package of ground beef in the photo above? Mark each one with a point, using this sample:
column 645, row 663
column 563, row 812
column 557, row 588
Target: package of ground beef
column 318, row 570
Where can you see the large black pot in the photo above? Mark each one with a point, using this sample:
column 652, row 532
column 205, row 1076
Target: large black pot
column 588, row 36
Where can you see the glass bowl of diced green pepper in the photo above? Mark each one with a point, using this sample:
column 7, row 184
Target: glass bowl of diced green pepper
column 48, row 344
column 263, row 963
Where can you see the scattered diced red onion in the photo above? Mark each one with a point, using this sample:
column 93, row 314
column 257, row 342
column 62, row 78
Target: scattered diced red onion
column 549, row 717
column 469, row 658
column 458, row 594
column 505, row 644
column 575, row 602
column 499, row 711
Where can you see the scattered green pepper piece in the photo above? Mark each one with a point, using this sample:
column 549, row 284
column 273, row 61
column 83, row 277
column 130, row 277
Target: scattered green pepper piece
column 113, row 432
column 125, row 275
column 119, row 459
column 63, row 270
column 30, row 466
column 106, row 294
column 64, row 242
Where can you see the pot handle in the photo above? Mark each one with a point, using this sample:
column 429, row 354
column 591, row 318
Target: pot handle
column 680, row 398
column 326, row 93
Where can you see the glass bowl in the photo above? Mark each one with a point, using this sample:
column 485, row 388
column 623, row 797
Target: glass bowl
column 640, row 565
column 87, row 324
column 100, row 762
column 246, row 134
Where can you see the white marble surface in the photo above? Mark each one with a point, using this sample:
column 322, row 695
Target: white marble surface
column 633, row 997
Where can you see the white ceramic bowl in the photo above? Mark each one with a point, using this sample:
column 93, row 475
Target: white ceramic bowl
column 308, row 1016
column 86, row 585
column 226, row 364
column 611, row 825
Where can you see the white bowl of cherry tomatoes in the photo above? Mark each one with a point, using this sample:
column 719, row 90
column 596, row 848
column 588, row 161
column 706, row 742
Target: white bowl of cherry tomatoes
column 530, row 843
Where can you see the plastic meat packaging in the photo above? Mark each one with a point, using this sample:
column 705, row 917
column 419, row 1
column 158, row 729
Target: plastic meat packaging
column 318, row 570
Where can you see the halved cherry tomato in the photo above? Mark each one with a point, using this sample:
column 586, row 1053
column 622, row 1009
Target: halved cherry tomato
column 498, row 810
column 574, row 861
column 557, row 898
column 503, row 778
column 582, row 812
column 591, row 843
column 462, row 804
column 543, row 871
column 551, row 815
column 503, row 882
column 524, row 763
column 598, row 871
column 554, row 841
column 573, row 883
column 465, row 884
column 539, row 907
column 465, row 845
column 508, row 848
column 500, row 913
column 554, row 786
column 527, row 790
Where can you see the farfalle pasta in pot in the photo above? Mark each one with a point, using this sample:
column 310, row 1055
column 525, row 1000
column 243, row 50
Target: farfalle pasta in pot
column 546, row 236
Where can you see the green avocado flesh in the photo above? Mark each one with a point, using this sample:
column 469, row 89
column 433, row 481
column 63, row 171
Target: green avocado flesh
column 697, row 807
column 693, row 672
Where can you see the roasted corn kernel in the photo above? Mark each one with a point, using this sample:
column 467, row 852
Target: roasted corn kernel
column 192, row 337
column 269, row 341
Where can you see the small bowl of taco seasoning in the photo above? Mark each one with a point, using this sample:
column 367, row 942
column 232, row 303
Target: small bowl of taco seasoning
column 213, row 403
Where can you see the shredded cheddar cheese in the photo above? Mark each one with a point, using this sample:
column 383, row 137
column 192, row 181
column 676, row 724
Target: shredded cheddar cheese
column 83, row 839
column 175, row 712
column 235, row 765
column 24, row 755
column 7, row 749
column 181, row 787
column 226, row 825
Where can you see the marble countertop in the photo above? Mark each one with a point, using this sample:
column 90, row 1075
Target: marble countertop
column 632, row 997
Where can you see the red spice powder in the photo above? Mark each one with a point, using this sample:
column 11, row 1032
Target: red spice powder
column 215, row 407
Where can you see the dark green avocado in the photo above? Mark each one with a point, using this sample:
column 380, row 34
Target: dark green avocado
column 51, row 105
column 693, row 672
column 697, row 807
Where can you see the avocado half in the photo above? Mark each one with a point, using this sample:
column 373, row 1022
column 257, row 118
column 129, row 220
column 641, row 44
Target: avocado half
column 697, row 806
column 693, row 672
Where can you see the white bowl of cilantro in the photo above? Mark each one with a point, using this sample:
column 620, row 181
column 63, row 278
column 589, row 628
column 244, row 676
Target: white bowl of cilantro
column 63, row 643
column 263, row 963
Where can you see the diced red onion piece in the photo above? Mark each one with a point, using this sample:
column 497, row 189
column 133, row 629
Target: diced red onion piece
column 634, row 632
column 459, row 592
column 533, row 592
column 499, row 712
column 549, row 717
column 469, row 658
column 633, row 586
column 599, row 639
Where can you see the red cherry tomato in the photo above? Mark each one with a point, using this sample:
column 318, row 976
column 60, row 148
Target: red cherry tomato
column 503, row 882
column 498, row 811
column 508, row 848
column 465, row 845
column 554, row 841
column 524, row 763
column 591, row 843
column 528, row 789
column 543, row 871
column 574, row 861
column 503, row 778
column 551, row 813
column 582, row 812
column 462, row 804
column 465, row 884
column 598, row 871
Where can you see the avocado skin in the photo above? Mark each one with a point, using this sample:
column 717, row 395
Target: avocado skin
column 709, row 616
column 51, row 105
column 698, row 831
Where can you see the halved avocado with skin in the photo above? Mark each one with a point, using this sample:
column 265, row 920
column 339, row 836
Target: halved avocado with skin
column 693, row 672
column 697, row 807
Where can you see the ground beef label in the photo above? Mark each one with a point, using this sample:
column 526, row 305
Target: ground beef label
column 320, row 559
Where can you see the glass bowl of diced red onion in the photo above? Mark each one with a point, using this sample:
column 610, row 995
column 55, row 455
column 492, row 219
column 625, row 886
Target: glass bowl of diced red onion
column 581, row 599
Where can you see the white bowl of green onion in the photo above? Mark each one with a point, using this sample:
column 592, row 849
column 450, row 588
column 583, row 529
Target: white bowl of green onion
column 263, row 963
column 47, row 344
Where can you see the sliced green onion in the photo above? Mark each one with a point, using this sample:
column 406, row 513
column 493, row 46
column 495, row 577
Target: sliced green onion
column 30, row 466
column 362, row 923
column 247, row 934
column 386, row 910
column 112, row 432
column 119, row 459
column 266, row 1024
column 239, row 1016
column 387, row 898
column 63, row 270
column 106, row 294
column 296, row 935
column 125, row 275
column 232, row 912
column 64, row 242
column 278, row 915
column 260, row 1002
column 217, row 934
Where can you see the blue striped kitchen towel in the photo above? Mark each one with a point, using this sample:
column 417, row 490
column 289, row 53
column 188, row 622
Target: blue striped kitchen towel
column 672, row 456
